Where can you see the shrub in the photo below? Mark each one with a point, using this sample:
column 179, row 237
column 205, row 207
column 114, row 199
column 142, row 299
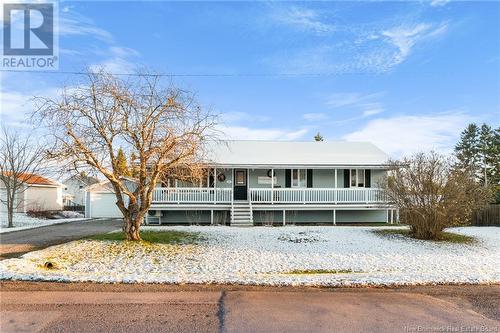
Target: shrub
column 432, row 195
column 43, row 214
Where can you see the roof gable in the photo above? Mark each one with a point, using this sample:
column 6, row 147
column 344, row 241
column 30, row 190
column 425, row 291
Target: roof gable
column 34, row 179
column 85, row 180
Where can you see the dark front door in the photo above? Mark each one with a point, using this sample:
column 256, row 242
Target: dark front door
column 240, row 184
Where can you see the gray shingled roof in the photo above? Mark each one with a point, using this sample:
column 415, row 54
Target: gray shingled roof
column 293, row 153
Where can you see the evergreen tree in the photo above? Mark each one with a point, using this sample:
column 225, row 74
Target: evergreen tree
column 486, row 153
column 133, row 165
column 318, row 137
column 468, row 147
column 121, row 163
column 495, row 176
column 479, row 148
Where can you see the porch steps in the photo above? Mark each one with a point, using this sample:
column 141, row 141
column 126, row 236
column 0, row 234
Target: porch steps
column 241, row 214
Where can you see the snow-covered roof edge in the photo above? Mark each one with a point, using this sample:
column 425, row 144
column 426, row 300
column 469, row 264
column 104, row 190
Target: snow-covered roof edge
column 254, row 153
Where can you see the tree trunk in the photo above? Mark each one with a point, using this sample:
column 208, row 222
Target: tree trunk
column 10, row 210
column 421, row 231
column 131, row 228
column 10, row 217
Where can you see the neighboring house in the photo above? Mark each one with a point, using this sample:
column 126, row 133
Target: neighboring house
column 40, row 193
column 281, row 182
column 74, row 189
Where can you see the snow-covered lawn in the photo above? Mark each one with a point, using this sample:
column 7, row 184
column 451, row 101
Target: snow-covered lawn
column 267, row 255
column 23, row 221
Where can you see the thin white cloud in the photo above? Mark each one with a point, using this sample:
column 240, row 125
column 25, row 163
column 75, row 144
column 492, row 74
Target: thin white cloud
column 439, row 3
column 117, row 60
column 372, row 111
column 350, row 99
column 15, row 106
column 404, row 135
column 235, row 117
column 358, row 49
column 302, row 18
column 72, row 23
column 123, row 52
column 247, row 133
column 365, row 105
column 404, row 38
column 315, row 116
column 114, row 65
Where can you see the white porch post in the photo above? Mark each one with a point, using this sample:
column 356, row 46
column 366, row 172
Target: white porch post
column 397, row 216
column 392, row 216
column 386, row 216
column 335, row 192
column 215, row 186
column 284, row 217
column 334, row 217
column 272, row 186
column 212, row 217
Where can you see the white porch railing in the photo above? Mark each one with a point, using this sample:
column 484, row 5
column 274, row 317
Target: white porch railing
column 267, row 195
column 317, row 195
column 192, row 195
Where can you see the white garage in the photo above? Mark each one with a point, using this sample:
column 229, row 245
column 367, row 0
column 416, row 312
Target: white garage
column 102, row 204
column 101, row 201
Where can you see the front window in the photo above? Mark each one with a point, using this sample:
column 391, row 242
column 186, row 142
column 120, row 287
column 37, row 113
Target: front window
column 357, row 178
column 299, row 177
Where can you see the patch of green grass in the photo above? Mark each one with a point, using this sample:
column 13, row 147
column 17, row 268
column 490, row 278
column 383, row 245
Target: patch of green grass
column 369, row 224
column 318, row 271
column 456, row 238
column 449, row 237
column 160, row 237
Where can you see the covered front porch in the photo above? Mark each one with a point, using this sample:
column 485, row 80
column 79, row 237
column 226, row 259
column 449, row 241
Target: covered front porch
column 277, row 186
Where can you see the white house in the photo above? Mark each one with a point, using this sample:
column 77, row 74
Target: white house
column 278, row 182
column 74, row 189
column 39, row 193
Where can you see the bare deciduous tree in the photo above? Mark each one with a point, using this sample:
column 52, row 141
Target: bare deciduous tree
column 162, row 127
column 21, row 158
column 432, row 195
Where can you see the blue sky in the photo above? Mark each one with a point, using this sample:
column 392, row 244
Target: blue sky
column 407, row 76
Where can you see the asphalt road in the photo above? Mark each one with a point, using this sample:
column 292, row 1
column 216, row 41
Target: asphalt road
column 53, row 307
column 18, row 242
